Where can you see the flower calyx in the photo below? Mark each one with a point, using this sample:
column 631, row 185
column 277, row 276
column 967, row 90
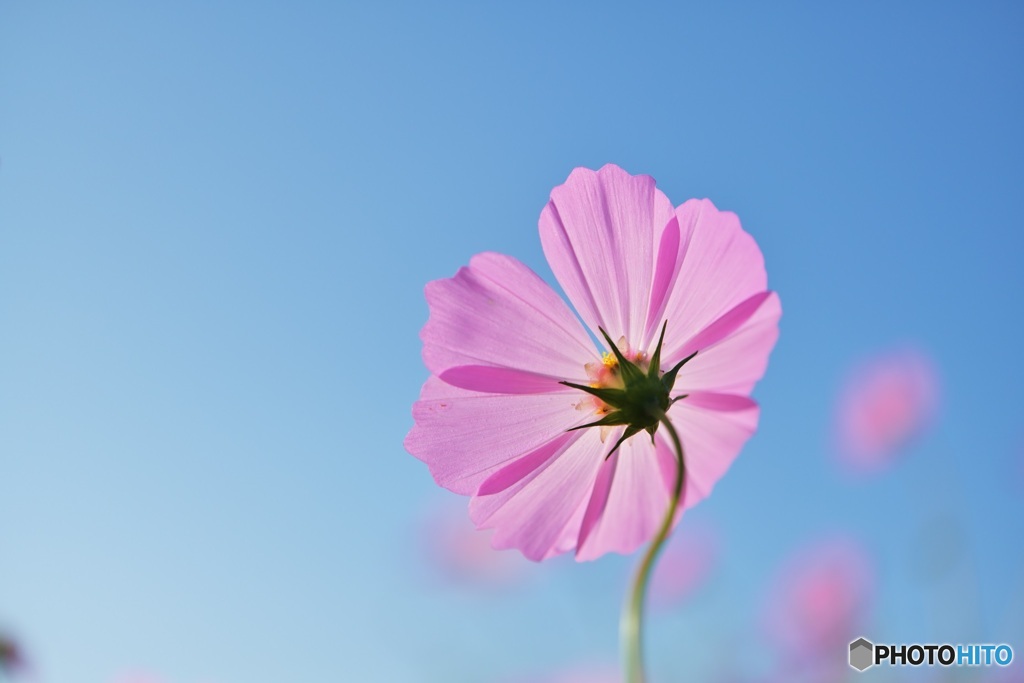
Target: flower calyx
column 644, row 398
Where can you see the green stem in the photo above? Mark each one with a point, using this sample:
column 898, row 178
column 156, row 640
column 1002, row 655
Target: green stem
column 631, row 623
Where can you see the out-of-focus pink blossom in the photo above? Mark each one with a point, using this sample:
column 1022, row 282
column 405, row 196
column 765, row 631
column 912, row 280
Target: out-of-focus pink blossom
column 496, row 419
column 142, row 677
column 589, row 674
column 885, row 403
column 1009, row 674
column 138, row 677
column 819, row 600
column 685, row 564
column 11, row 658
column 586, row 673
column 463, row 554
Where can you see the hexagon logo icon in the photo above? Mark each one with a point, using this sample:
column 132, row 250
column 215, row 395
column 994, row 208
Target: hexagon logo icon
column 862, row 654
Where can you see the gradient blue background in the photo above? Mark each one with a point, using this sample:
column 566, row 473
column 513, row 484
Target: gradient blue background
column 215, row 226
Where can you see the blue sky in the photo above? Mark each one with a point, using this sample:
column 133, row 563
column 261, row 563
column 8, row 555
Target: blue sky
column 215, row 227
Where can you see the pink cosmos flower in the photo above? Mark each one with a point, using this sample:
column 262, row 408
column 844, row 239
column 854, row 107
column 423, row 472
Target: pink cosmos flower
column 820, row 598
column 887, row 401
column 496, row 421
column 11, row 659
column 579, row 674
column 138, row 677
column 1009, row 674
column 464, row 555
column 685, row 564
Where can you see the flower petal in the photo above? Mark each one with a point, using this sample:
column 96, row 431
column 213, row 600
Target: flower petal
column 598, row 499
column 520, row 468
column 497, row 312
column 598, row 233
column 728, row 403
column 499, row 380
column 711, row 440
column 734, row 364
column 535, row 513
column 720, row 266
column 465, row 436
column 672, row 247
column 722, row 327
column 628, row 513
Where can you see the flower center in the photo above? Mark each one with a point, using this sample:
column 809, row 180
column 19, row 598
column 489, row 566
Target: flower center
column 629, row 389
column 607, row 374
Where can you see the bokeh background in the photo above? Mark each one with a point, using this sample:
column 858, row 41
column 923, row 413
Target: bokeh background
column 216, row 221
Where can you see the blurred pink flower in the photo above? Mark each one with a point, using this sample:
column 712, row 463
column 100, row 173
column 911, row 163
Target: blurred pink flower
column 11, row 658
column 684, row 565
column 589, row 673
column 820, row 598
column 885, row 403
column 138, row 677
column 463, row 554
column 1010, row 674
column 493, row 419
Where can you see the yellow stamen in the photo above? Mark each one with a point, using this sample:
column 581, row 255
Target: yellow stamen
column 608, row 360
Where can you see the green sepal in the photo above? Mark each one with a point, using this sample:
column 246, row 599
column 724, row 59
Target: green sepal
column 613, row 397
column 643, row 400
column 610, row 420
column 655, row 367
column 630, row 431
column 668, row 380
column 651, row 429
column 680, row 397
